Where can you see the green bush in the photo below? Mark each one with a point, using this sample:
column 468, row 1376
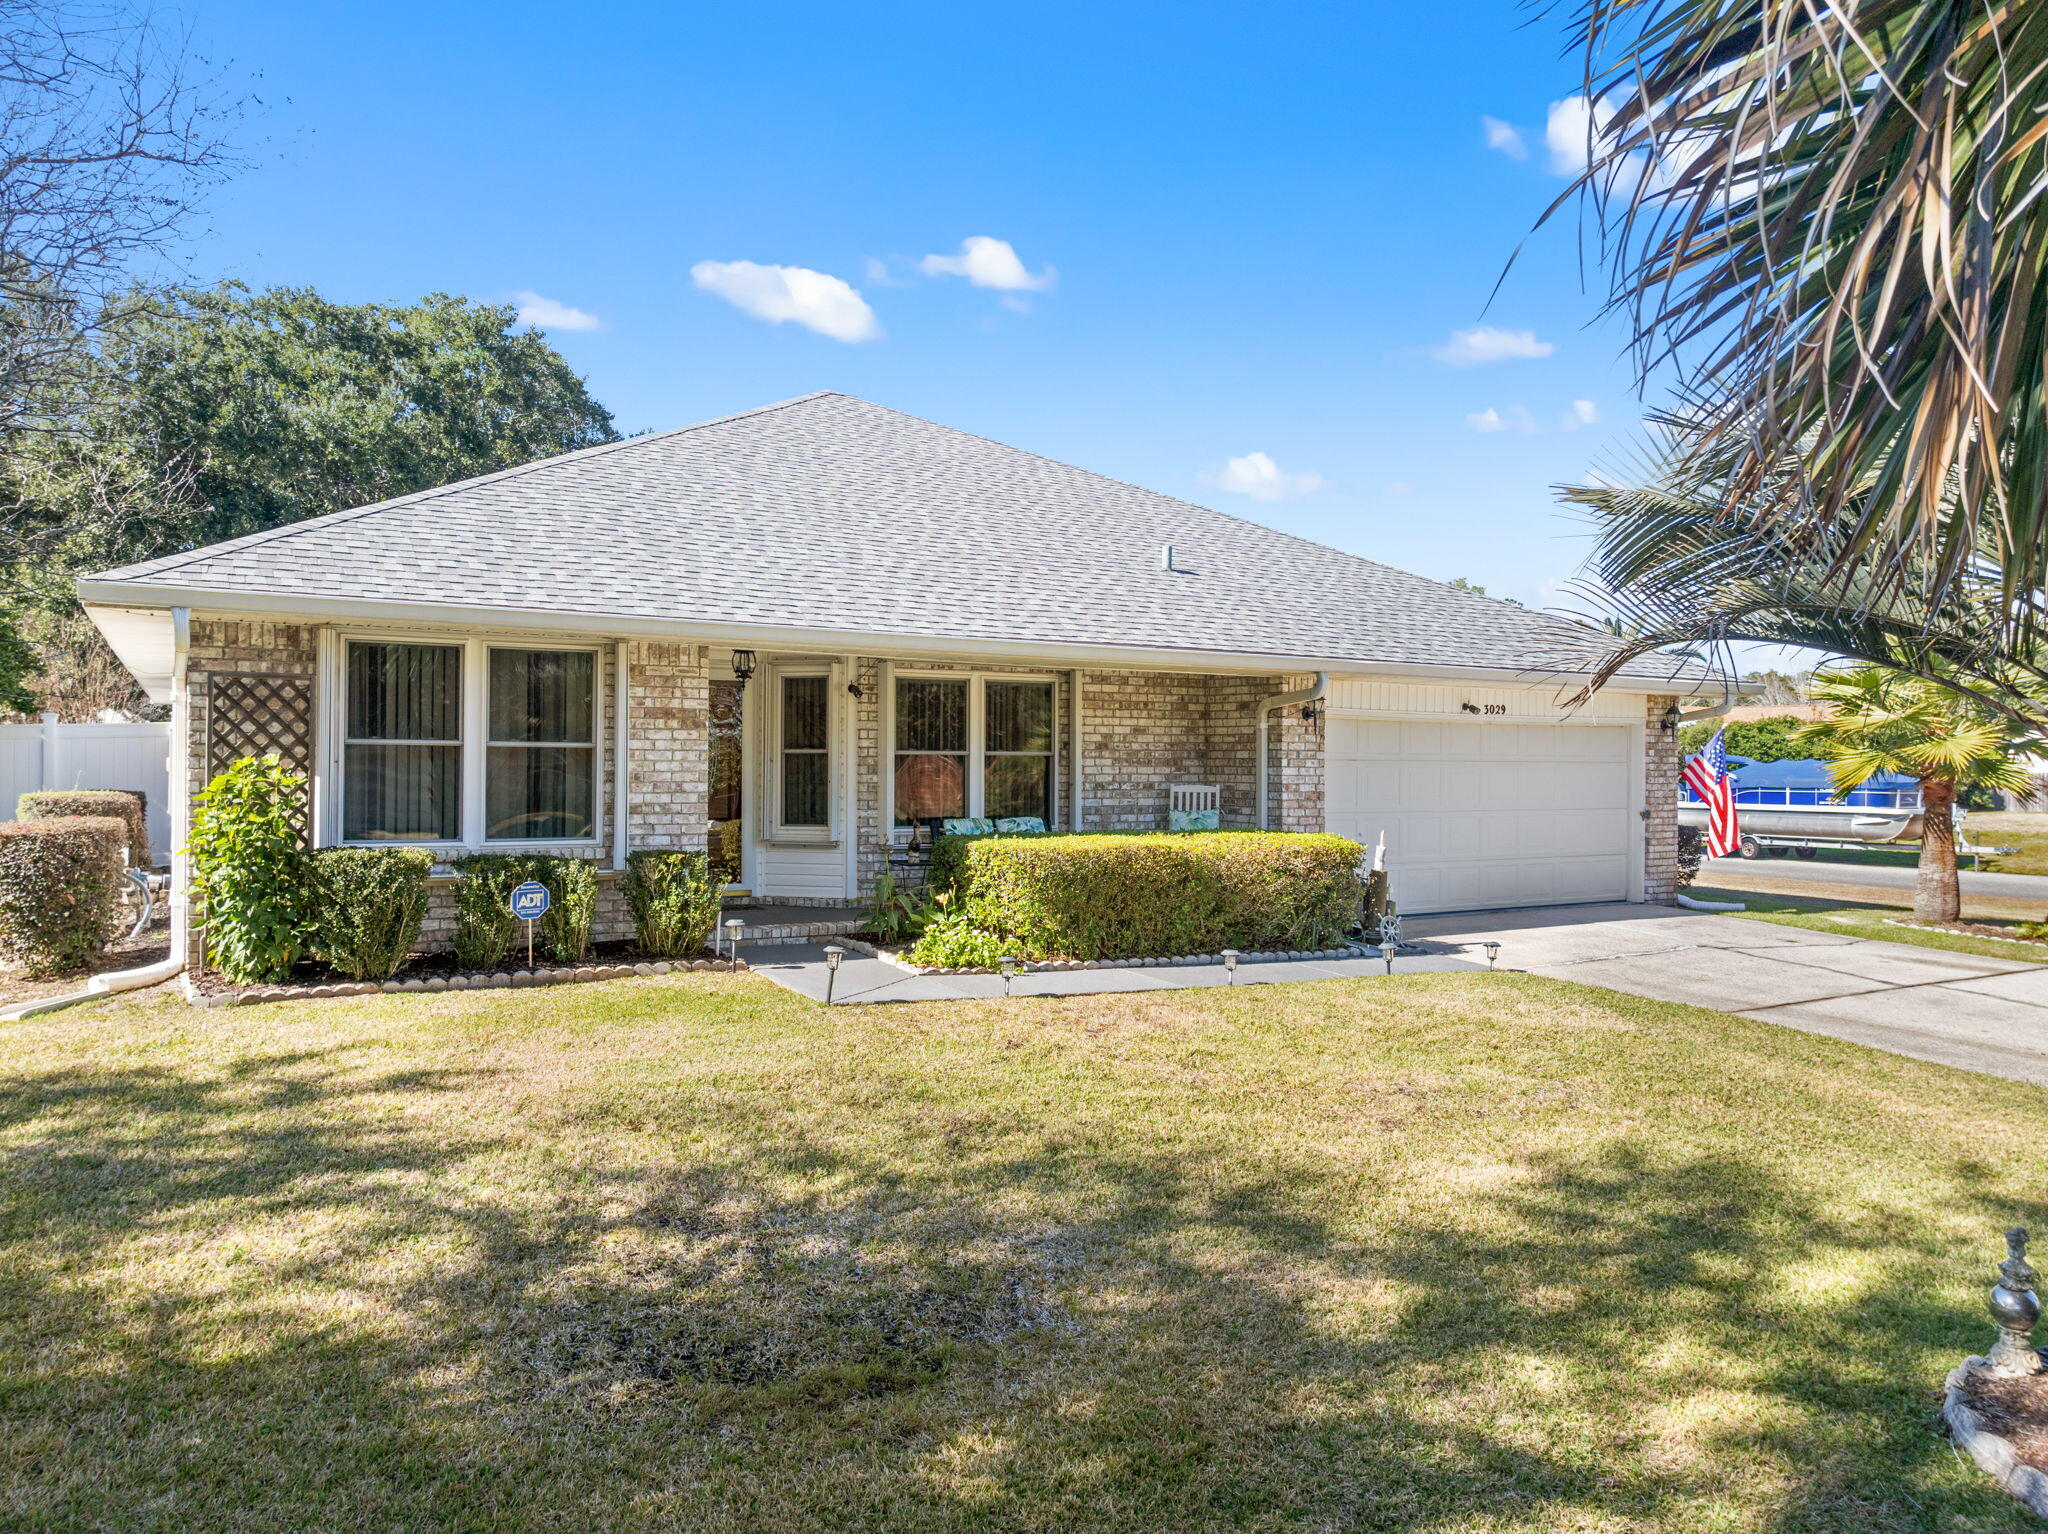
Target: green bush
column 1156, row 895
column 1692, row 852
column 60, row 890
column 960, row 937
column 249, row 869
column 129, row 805
column 674, row 900
column 486, row 929
column 898, row 912
column 366, row 905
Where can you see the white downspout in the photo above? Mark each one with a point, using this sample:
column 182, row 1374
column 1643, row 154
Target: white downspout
column 1265, row 718
column 1074, row 797
column 622, row 801
column 181, row 826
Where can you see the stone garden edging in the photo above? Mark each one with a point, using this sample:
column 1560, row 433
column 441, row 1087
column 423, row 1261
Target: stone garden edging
column 1993, row 1452
column 1051, row 966
column 500, row 980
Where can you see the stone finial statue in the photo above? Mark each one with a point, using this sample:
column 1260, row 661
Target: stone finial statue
column 2015, row 1307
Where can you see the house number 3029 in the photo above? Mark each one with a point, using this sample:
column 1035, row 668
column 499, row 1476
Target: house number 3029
column 1484, row 708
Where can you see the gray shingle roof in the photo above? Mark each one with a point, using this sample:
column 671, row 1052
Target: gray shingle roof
column 829, row 512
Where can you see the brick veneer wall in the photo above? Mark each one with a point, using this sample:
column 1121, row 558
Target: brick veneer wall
column 1660, row 804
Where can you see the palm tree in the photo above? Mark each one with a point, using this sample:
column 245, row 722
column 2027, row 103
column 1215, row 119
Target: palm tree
column 1880, row 721
column 1827, row 222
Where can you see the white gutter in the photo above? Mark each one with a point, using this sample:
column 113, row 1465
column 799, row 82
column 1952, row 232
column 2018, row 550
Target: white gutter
column 1265, row 717
column 181, row 826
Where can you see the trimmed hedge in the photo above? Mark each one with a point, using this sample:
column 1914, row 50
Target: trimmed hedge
column 365, row 907
column 60, row 890
column 130, row 805
column 674, row 900
column 1161, row 894
column 486, row 929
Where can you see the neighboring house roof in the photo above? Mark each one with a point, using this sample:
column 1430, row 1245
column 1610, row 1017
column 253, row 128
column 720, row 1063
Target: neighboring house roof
column 831, row 513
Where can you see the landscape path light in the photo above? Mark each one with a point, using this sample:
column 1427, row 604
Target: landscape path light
column 1387, row 953
column 1492, row 953
column 833, row 954
column 732, row 938
column 1008, row 965
column 1230, row 958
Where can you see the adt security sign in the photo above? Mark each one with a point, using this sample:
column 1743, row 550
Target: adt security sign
column 530, row 904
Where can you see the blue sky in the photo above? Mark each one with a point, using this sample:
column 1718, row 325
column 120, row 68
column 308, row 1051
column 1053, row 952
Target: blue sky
column 1265, row 226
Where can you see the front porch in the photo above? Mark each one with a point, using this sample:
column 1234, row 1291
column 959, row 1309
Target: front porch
column 804, row 775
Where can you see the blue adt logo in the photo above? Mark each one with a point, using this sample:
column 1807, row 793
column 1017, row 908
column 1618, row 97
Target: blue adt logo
column 530, row 901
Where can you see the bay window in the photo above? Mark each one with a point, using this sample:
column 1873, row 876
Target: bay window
column 467, row 743
column 972, row 746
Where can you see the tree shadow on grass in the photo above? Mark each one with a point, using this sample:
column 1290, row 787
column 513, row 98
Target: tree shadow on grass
column 1028, row 1331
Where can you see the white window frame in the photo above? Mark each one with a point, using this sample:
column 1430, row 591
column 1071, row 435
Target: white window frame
column 779, row 832
column 475, row 743
column 977, row 739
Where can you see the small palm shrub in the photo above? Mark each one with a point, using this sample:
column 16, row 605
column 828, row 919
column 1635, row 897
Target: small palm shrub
column 367, row 904
column 485, row 928
column 674, row 900
column 249, row 869
column 129, row 805
column 60, row 891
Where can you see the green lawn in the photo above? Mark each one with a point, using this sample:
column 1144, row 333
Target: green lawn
column 1871, row 921
column 1446, row 1253
column 2027, row 835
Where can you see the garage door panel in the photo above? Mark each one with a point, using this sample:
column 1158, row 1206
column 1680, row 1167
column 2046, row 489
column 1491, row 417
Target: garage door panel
column 1487, row 814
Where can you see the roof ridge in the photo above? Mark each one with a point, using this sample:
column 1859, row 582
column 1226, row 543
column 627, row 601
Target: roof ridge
column 165, row 563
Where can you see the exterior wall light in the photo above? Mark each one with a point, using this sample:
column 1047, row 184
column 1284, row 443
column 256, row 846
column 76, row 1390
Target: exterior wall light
column 833, row 954
column 742, row 666
column 1492, row 953
column 1230, row 958
column 1669, row 719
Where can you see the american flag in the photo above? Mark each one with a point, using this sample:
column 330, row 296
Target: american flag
column 1707, row 776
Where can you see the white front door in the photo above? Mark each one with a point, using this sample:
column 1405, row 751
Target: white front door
column 1481, row 815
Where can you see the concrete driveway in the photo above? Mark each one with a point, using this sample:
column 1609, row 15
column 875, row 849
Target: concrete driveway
column 1961, row 1009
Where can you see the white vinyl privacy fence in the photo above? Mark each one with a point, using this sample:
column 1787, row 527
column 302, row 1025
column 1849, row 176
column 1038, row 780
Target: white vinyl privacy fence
column 52, row 755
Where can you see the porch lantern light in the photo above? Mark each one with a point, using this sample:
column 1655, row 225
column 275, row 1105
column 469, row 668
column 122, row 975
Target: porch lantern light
column 732, row 938
column 833, row 954
column 1230, row 958
column 742, row 666
column 1669, row 719
column 1492, row 953
column 1008, row 965
column 1387, row 953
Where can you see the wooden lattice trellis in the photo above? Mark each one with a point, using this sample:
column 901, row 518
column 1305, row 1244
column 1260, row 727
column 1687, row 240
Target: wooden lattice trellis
column 252, row 714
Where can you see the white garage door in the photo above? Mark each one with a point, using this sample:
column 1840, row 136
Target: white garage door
column 1483, row 815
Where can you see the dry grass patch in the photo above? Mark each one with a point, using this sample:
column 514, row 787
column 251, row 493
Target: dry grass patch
column 1471, row 1252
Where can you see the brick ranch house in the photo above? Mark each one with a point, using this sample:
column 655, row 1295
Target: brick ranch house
column 798, row 634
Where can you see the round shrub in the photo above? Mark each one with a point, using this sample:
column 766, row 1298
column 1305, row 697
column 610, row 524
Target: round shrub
column 366, row 905
column 60, row 890
column 128, row 805
column 486, row 929
column 674, row 900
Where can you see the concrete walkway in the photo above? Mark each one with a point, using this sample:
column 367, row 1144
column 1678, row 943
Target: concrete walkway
column 801, row 968
column 1962, row 1009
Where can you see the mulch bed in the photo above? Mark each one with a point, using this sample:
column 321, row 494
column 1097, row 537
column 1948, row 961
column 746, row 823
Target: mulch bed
column 439, row 971
column 2016, row 1410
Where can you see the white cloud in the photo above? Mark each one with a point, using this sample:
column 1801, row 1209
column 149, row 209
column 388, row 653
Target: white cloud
column 1397, row 487
column 1570, row 130
column 1515, row 418
column 1488, row 343
column 552, row 314
column 816, row 300
column 1505, row 137
column 1256, row 475
column 1583, row 413
column 987, row 263
column 1015, row 304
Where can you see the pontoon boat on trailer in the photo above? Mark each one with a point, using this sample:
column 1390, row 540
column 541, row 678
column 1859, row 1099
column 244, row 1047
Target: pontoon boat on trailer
column 1792, row 806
